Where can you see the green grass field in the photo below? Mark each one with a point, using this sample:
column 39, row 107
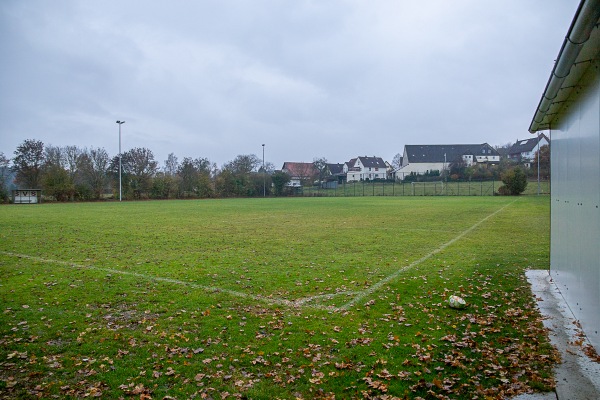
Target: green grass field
column 273, row 298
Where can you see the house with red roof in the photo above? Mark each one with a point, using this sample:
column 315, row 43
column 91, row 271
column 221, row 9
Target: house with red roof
column 301, row 173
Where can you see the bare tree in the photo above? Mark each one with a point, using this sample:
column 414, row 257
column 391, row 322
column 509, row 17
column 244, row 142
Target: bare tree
column 139, row 167
column 57, row 181
column 307, row 173
column 321, row 166
column 71, row 155
column 54, row 156
column 243, row 164
column 239, row 178
column 397, row 161
column 269, row 167
column 171, row 165
column 189, row 177
column 93, row 167
column 28, row 163
column 4, row 176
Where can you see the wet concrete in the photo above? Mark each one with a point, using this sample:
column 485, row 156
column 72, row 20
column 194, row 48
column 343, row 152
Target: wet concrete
column 577, row 376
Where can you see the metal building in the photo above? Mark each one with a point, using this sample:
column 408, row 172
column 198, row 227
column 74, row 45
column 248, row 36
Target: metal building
column 570, row 110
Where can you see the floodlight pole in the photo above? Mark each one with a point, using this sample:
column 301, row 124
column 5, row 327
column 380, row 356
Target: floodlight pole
column 120, row 191
column 538, row 166
column 263, row 167
column 445, row 176
column 444, row 169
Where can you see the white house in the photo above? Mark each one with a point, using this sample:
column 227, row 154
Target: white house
column 570, row 111
column 365, row 169
column 524, row 150
column 420, row 159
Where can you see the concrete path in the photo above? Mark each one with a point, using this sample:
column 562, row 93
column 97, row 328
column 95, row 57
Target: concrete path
column 577, row 377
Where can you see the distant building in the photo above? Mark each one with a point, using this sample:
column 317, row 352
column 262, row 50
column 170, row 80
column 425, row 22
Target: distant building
column 523, row 151
column 421, row 159
column 300, row 173
column 334, row 175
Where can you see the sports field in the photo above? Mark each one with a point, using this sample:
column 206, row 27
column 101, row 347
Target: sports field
column 273, row 298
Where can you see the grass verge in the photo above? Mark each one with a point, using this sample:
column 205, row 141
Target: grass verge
column 273, row 298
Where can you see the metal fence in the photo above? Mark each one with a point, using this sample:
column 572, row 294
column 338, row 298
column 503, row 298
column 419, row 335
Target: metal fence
column 399, row 188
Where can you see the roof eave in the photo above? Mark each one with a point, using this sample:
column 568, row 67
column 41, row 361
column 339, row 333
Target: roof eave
column 582, row 38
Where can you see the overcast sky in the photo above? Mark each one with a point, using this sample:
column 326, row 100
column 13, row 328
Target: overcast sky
column 218, row 78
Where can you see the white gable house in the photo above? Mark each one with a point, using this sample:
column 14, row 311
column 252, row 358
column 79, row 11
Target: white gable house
column 365, row 169
column 524, row 150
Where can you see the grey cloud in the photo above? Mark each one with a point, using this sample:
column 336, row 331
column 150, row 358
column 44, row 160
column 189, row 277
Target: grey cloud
column 307, row 78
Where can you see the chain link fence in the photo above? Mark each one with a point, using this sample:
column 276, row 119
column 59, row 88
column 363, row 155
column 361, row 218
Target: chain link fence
column 399, row 188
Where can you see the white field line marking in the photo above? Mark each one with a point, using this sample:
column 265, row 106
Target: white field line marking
column 327, row 296
column 302, row 302
column 372, row 289
column 209, row 289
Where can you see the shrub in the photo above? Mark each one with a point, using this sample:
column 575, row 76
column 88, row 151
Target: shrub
column 515, row 182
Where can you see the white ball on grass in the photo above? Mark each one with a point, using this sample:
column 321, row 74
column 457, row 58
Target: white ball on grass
column 457, row 302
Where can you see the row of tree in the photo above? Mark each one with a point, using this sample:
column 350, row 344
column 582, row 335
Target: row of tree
column 72, row 173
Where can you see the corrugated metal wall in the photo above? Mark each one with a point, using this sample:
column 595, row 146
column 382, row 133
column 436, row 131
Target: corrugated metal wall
column 575, row 215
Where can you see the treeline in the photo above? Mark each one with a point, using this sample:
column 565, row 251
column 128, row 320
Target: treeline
column 71, row 173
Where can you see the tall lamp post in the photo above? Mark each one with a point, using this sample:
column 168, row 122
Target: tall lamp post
column 445, row 175
column 264, row 182
column 120, row 192
column 538, row 166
